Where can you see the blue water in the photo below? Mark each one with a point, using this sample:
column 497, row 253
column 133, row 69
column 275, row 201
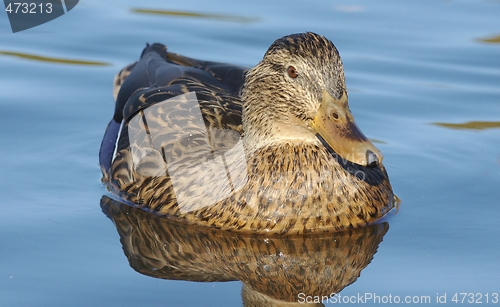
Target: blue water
column 417, row 74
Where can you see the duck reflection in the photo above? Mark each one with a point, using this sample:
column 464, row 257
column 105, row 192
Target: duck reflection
column 274, row 270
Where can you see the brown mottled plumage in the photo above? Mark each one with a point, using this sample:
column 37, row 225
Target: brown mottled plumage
column 257, row 163
column 274, row 270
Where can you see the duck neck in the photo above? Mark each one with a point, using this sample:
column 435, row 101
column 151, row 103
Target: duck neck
column 266, row 128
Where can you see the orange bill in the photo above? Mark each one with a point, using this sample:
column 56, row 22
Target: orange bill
column 335, row 124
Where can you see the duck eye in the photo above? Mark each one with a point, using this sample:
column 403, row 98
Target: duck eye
column 292, row 72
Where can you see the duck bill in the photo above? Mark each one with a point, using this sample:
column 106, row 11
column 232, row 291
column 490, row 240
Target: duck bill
column 335, row 124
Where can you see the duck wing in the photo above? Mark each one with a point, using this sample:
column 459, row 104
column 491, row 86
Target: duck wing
column 160, row 76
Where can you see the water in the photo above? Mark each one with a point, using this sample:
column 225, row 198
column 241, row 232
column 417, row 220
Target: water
column 417, row 73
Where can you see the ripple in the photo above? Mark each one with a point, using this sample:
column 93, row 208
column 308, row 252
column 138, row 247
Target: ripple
column 490, row 40
column 40, row 58
column 477, row 125
column 219, row 17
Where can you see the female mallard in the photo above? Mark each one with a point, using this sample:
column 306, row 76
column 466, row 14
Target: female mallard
column 273, row 149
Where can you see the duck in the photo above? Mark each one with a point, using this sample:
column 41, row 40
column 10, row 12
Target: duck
column 269, row 149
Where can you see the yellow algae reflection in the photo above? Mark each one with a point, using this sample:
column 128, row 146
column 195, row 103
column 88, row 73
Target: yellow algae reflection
column 40, row 58
column 470, row 125
column 490, row 40
column 377, row 141
column 220, row 17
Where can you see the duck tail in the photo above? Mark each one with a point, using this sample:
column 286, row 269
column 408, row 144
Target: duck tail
column 156, row 47
column 120, row 79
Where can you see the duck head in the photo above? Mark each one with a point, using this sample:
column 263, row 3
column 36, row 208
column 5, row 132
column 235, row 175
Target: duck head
column 297, row 94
